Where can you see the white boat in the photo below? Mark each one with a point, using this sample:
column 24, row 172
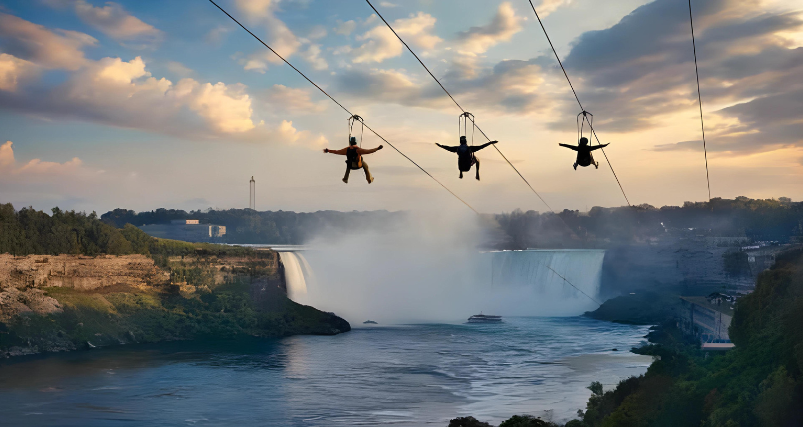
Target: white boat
column 484, row 318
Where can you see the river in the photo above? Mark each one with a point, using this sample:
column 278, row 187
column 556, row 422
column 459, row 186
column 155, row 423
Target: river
column 407, row 375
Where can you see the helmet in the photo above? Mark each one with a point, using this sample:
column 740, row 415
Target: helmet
column 353, row 141
column 583, row 141
column 463, row 140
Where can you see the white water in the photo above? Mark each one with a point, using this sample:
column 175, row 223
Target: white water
column 541, row 271
column 294, row 276
column 399, row 286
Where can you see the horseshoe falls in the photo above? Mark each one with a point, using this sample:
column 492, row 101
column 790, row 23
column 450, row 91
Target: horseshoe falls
column 403, row 285
column 561, row 274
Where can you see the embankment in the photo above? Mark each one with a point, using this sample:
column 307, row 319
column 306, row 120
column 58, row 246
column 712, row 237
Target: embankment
column 67, row 302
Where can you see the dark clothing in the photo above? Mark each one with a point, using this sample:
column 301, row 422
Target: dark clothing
column 584, row 157
column 465, row 155
column 353, row 158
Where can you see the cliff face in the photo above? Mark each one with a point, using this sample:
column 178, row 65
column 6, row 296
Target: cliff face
column 65, row 302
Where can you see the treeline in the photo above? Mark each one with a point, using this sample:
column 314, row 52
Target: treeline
column 250, row 226
column 29, row 231
column 758, row 220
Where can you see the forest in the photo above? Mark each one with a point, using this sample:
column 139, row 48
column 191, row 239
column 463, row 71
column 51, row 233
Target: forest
column 757, row 220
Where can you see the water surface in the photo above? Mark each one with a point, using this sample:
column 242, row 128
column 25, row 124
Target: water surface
column 410, row 375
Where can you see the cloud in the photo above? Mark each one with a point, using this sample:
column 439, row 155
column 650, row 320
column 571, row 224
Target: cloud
column 313, row 56
column 116, row 23
column 381, row 44
column 13, row 70
column 279, row 36
column 215, row 36
column 510, row 87
column 548, row 6
column 60, row 49
column 298, row 101
column 121, row 93
column 8, row 164
column 179, row 69
column 345, row 28
column 641, row 71
column 478, row 40
column 317, row 32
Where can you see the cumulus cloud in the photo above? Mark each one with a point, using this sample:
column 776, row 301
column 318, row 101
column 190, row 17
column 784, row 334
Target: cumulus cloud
column 116, row 22
column 642, row 69
column 381, row 44
column 478, row 40
column 121, row 93
column 313, row 57
column 8, row 164
column 59, row 49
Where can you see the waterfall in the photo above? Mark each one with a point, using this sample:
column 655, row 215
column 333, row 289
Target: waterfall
column 294, row 268
column 528, row 269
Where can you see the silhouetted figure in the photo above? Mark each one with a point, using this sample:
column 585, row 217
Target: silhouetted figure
column 354, row 160
column 465, row 155
column 584, row 157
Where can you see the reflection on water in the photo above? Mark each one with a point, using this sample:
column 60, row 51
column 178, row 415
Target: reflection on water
column 405, row 376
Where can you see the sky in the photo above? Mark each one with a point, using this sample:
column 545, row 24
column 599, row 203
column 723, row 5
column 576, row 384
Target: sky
column 142, row 105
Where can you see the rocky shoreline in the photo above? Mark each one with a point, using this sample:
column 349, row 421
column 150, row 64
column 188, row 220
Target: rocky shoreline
column 71, row 302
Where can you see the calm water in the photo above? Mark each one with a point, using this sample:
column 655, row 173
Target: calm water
column 402, row 376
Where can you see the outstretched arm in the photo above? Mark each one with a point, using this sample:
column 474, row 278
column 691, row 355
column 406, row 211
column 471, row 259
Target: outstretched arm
column 572, row 147
column 598, row 147
column 447, row 148
column 341, row 151
column 480, row 147
column 368, row 151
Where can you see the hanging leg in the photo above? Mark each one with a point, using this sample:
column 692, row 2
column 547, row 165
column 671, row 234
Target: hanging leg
column 477, row 165
column 368, row 176
column 575, row 165
column 461, row 174
column 348, row 171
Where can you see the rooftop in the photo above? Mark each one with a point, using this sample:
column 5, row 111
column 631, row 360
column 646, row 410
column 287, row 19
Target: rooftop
column 725, row 308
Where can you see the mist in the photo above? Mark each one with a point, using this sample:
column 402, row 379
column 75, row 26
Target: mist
column 426, row 268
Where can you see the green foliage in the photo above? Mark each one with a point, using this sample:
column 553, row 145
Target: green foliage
column 775, row 220
column 467, row 422
column 29, row 231
column 526, row 421
column 758, row 383
column 250, row 226
column 643, row 308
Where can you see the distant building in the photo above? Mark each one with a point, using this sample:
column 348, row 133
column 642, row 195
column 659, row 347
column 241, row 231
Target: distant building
column 187, row 230
column 707, row 318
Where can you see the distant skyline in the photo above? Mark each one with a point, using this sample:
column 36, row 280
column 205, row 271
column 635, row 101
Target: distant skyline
column 142, row 105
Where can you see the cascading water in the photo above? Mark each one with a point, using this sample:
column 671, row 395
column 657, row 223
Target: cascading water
column 295, row 279
column 541, row 271
column 394, row 284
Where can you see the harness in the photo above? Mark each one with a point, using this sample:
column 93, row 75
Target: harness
column 353, row 158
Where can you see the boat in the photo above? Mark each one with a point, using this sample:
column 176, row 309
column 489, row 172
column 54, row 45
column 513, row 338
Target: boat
column 484, row 318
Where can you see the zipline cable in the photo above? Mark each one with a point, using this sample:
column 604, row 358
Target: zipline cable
column 474, row 126
column 593, row 132
column 700, row 100
column 458, row 105
column 341, row 106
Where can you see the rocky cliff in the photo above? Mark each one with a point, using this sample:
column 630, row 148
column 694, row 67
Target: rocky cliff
column 66, row 302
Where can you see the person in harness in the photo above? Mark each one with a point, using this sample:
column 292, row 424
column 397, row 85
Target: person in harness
column 465, row 155
column 354, row 160
column 584, row 157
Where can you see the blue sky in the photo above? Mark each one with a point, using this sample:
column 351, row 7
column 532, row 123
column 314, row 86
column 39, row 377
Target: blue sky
column 169, row 104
